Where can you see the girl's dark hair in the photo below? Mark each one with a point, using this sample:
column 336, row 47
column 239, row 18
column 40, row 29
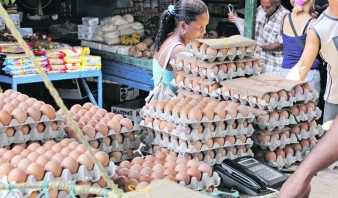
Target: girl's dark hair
column 184, row 10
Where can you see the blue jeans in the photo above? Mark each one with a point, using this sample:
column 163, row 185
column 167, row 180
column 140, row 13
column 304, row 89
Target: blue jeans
column 313, row 78
column 330, row 111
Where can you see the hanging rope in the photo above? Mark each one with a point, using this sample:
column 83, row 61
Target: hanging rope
column 9, row 23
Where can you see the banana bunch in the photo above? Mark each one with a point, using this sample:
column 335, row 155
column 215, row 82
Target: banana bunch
column 132, row 39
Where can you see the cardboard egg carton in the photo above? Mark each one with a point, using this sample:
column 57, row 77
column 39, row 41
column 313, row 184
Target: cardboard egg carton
column 31, row 122
column 192, row 135
column 189, row 64
column 204, row 183
column 304, row 95
column 115, row 146
column 311, row 132
column 185, row 147
column 250, row 92
column 224, row 43
column 198, row 85
column 309, row 115
column 66, row 176
column 275, row 142
column 273, row 124
column 123, row 130
column 33, row 135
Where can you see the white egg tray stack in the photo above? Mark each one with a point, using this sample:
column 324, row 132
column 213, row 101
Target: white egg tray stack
column 273, row 124
column 250, row 68
column 192, row 135
column 184, row 121
column 204, row 183
column 83, row 174
column 33, row 134
column 219, row 56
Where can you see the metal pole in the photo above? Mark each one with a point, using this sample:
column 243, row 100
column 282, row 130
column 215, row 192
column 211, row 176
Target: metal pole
column 250, row 18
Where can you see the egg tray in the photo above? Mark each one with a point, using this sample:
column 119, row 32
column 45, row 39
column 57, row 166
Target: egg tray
column 312, row 132
column 83, row 174
column 31, row 122
column 192, row 135
column 205, row 182
column 33, row 135
column 27, row 192
column 115, row 146
column 185, row 147
column 220, row 76
column 125, row 157
column 309, row 115
column 185, row 122
column 201, row 54
column 111, row 133
column 289, row 159
column 275, row 143
column 273, row 124
column 263, row 105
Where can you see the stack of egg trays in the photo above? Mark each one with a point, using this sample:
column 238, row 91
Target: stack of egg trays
column 33, row 134
column 274, row 142
column 205, row 92
column 250, row 69
column 263, row 105
column 298, row 156
column 273, row 124
column 219, row 56
column 204, row 183
column 192, row 135
column 83, row 174
column 185, row 122
column 114, row 144
column 312, row 132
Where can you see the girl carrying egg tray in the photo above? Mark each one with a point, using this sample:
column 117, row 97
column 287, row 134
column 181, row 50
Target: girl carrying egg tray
column 179, row 24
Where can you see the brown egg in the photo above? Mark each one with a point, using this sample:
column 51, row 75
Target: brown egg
column 194, row 172
column 116, row 154
column 36, row 170
column 195, row 114
column 103, row 158
column 89, row 131
column 261, row 138
column 86, row 161
column 9, row 107
column 49, row 144
column 81, row 148
column 17, row 148
column 49, row 154
column 270, row 156
column 48, row 110
column 31, row 101
column 102, row 128
column 183, row 176
column 53, row 167
column 114, row 125
column 205, row 168
column 126, row 122
column 71, row 164
column 38, row 104
column 42, row 160
column 117, row 118
column 290, row 150
column 15, row 160
column 298, row 147
column 58, row 157
column 75, row 108
column 82, row 112
column 5, row 169
column 17, row 175
column 40, row 127
column 57, row 147
column 5, row 117
column 280, row 152
column 25, row 152
column 23, row 164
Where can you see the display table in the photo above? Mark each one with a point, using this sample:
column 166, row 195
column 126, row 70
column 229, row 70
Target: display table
column 133, row 75
column 16, row 80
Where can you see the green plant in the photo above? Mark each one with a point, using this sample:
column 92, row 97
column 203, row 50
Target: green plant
column 6, row 2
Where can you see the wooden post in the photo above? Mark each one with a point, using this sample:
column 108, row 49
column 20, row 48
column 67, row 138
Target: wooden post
column 250, row 18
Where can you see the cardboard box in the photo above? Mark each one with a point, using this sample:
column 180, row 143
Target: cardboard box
column 165, row 189
column 130, row 110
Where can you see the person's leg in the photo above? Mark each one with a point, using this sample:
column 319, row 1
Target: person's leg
column 330, row 111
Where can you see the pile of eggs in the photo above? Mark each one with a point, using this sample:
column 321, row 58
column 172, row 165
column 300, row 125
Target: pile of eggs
column 198, row 107
column 92, row 119
column 36, row 160
column 17, row 106
column 141, row 172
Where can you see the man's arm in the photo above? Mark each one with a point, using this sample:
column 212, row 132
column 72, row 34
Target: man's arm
column 323, row 154
column 300, row 70
column 272, row 47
